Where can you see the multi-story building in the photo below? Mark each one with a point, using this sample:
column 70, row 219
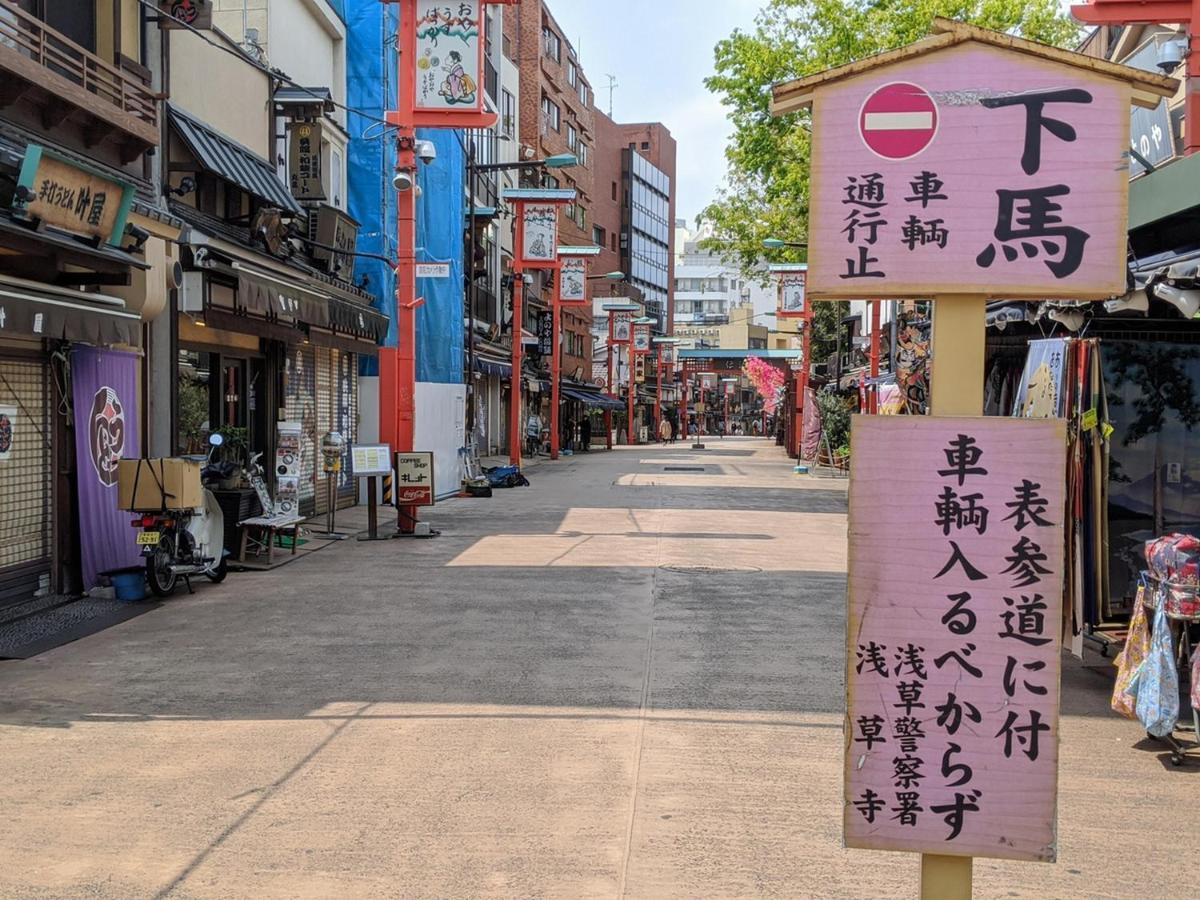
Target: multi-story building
column 270, row 326
column 86, row 266
column 647, row 216
column 708, row 287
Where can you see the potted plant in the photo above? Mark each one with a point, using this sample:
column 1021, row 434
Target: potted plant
column 233, row 450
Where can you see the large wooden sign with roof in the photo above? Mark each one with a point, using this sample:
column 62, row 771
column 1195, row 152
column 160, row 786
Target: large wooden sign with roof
column 970, row 162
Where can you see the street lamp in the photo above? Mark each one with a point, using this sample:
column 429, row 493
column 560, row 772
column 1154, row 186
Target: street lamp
column 777, row 244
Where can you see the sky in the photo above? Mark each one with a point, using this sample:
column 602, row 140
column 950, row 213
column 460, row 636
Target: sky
column 660, row 52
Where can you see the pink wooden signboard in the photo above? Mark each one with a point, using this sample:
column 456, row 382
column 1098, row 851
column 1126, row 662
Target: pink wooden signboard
column 969, row 169
column 952, row 674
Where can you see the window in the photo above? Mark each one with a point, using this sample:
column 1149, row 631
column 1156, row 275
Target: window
column 572, row 137
column 598, row 236
column 614, row 190
column 583, row 153
column 572, row 74
column 550, row 114
column 614, row 242
column 585, row 95
column 580, row 217
column 645, row 145
column 508, row 114
column 552, row 44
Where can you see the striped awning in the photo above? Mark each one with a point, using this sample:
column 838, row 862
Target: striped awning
column 226, row 158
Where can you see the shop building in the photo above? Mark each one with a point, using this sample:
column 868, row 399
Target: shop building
column 269, row 327
column 85, row 267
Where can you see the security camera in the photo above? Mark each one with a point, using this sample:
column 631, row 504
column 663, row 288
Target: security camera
column 1168, row 55
column 426, row 151
column 402, row 180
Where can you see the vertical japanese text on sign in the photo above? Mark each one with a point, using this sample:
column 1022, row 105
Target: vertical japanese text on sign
column 953, row 657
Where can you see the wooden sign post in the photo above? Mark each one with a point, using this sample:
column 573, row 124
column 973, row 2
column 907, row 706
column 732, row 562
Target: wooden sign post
column 965, row 166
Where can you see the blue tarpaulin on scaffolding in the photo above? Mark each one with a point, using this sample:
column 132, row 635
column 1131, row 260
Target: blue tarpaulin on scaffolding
column 372, row 62
column 440, row 239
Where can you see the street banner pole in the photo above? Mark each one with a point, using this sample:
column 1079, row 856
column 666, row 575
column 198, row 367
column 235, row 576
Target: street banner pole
column 1046, row 219
column 608, row 429
column 420, row 105
column 516, row 435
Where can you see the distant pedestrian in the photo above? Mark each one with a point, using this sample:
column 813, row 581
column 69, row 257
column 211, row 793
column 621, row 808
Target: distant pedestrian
column 664, row 430
column 533, row 434
column 674, row 431
column 585, row 434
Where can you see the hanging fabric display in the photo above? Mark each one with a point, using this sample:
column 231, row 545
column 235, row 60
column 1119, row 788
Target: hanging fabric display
column 1130, row 659
column 1157, row 682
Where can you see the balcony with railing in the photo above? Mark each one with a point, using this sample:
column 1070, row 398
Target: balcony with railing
column 65, row 81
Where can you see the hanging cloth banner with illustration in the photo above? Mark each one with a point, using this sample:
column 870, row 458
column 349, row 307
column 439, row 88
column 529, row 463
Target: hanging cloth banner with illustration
column 572, row 280
column 449, row 56
column 954, row 642
column 104, row 392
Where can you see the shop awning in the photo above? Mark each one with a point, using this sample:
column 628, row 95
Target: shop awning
column 489, row 366
column 263, row 292
column 227, row 158
column 30, row 309
column 593, row 399
column 76, row 250
column 354, row 318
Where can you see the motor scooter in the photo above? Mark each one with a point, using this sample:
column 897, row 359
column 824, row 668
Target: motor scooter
column 179, row 543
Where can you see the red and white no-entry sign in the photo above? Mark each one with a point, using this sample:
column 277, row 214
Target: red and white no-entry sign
column 898, row 120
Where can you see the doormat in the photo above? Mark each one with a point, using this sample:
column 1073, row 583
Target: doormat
column 63, row 624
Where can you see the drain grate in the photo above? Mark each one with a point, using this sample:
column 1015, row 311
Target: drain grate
column 711, row 570
column 683, row 468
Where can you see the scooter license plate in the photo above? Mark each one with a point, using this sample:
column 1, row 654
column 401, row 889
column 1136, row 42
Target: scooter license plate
column 148, row 539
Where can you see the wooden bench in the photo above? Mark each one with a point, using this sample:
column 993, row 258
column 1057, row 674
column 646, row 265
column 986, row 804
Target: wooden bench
column 268, row 526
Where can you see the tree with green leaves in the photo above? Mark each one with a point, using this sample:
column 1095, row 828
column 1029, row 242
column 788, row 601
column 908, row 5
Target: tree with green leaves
column 766, row 189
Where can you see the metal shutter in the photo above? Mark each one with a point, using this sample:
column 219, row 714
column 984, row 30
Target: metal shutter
column 26, row 479
column 301, row 403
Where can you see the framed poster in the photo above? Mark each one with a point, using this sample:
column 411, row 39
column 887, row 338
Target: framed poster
column 641, row 338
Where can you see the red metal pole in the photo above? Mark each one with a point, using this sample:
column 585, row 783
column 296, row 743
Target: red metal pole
column 802, row 384
column 658, row 392
column 555, row 374
column 608, row 429
column 630, row 397
column 516, row 434
column 726, row 412
column 398, row 365
column 873, row 394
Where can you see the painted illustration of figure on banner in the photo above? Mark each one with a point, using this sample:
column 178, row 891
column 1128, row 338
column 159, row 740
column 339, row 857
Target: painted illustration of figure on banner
column 458, row 87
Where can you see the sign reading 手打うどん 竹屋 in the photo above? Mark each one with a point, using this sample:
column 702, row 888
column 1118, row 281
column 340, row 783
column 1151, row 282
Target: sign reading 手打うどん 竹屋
column 969, row 168
column 953, row 638
column 72, row 197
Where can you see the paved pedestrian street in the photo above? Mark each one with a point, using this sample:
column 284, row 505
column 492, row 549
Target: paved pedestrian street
column 622, row 681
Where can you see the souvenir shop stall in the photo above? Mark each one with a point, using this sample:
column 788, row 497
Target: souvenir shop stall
column 1131, row 397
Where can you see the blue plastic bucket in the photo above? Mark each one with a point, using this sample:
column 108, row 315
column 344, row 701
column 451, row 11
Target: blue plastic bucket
column 129, row 584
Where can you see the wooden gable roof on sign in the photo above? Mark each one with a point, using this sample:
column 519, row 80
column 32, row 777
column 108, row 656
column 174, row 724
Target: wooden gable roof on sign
column 1147, row 88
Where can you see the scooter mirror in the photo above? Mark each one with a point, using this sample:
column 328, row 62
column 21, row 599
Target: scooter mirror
column 216, row 440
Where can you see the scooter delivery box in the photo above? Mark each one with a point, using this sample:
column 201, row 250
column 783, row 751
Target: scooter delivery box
column 150, row 485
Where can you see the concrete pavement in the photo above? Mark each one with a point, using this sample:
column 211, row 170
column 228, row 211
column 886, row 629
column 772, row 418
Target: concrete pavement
column 623, row 681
